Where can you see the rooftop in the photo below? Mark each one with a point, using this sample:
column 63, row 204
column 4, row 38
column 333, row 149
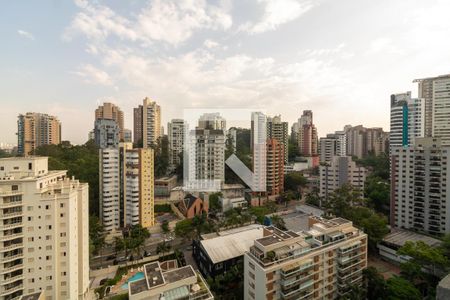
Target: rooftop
column 178, row 274
column 153, row 274
column 231, row 243
column 399, row 237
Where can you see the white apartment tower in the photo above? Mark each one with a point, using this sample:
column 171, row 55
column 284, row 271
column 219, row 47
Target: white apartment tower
column 44, row 234
column 341, row 170
column 126, row 187
column 419, row 186
column 321, row 263
column 258, row 144
column 147, row 123
column 176, row 131
column 407, row 120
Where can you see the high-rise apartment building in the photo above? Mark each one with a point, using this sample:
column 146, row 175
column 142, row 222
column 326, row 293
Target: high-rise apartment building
column 322, row 263
column 36, row 129
column 106, row 133
column 276, row 129
column 328, row 148
column 274, row 167
column 147, row 123
column 407, row 120
column 362, row 141
column 213, row 121
column 176, row 132
column 258, row 143
column 419, row 186
column 307, row 139
column 111, row 111
column 126, row 187
column 127, row 136
column 341, row 170
column 44, row 234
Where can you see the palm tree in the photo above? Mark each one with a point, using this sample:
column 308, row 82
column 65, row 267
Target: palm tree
column 119, row 244
column 163, row 248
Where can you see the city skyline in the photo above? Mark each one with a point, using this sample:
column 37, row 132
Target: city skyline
column 78, row 59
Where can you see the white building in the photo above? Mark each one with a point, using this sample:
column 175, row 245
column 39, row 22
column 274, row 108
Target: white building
column 126, row 187
column 44, row 234
column 176, row 131
column 258, row 139
column 341, row 170
column 419, row 192
column 106, row 133
column 407, row 120
column 441, row 109
column 278, row 130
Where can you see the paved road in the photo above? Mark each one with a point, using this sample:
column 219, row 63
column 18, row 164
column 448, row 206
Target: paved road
column 150, row 246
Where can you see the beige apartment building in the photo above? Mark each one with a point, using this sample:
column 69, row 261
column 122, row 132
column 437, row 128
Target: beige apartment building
column 321, row 263
column 110, row 111
column 36, row 129
column 147, row 123
column 339, row 171
column 44, row 235
column 126, row 187
column 274, row 167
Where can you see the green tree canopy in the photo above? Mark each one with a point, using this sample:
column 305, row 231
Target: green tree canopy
column 399, row 288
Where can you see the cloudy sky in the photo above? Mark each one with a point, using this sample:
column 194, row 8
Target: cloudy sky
column 340, row 58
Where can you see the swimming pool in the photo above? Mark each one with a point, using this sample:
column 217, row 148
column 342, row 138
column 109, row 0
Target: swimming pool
column 135, row 277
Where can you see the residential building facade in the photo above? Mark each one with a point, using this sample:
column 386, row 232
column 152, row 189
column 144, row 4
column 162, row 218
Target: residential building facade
column 106, row 133
column 322, row 263
column 147, row 123
column 176, row 133
column 36, row 129
column 341, row 170
column 44, row 234
column 278, row 130
column 274, row 167
column 419, row 186
column 111, row 111
column 126, row 187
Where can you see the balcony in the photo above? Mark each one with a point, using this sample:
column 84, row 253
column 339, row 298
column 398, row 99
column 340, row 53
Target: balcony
column 11, row 269
column 11, row 215
column 10, row 204
column 287, row 283
column 11, row 236
column 6, row 292
column 12, row 279
column 302, row 286
column 11, row 247
column 10, row 226
column 11, row 258
column 344, row 259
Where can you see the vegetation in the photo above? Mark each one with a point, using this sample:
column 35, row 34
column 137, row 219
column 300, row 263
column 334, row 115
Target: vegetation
column 313, row 198
column 163, row 208
column 133, row 240
column 4, row 154
column 378, row 165
column 80, row 161
column 294, row 182
column 163, row 248
column 377, row 191
column 259, row 212
column 214, row 203
column 228, row 286
column 162, row 157
column 292, row 150
column 189, row 229
column 346, row 202
column 165, row 227
column 96, row 235
column 278, row 222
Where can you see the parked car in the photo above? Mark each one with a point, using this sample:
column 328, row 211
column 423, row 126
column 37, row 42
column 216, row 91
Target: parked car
column 121, row 259
column 147, row 253
column 111, row 257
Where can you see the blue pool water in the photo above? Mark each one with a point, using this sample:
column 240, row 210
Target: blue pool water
column 135, row 277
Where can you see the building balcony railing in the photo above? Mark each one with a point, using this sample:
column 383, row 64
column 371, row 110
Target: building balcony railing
column 344, row 259
column 10, row 226
column 298, row 289
column 11, row 236
column 10, row 269
column 287, row 283
column 11, row 247
column 10, row 204
column 11, row 215
column 348, row 266
column 11, row 257
column 12, row 279
column 5, row 292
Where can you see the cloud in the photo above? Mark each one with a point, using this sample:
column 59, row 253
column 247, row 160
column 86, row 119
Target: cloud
column 26, row 34
column 210, row 44
column 277, row 13
column 93, row 75
column 383, row 45
column 169, row 21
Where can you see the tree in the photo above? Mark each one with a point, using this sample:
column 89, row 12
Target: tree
column 119, row 244
column 79, row 161
column 184, row 229
column 4, row 154
column 295, row 182
column 135, row 238
column 373, row 224
column 96, row 234
column 400, row 288
column 163, row 248
column 161, row 156
column 278, row 222
column 342, row 199
column 313, row 198
column 214, row 203
column 426, row 256
column 165, row 227
column 292, row 150
column 379, row 165
column 377, row 191
column 375, row 284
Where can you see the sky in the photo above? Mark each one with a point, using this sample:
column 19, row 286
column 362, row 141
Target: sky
column 339, row 58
